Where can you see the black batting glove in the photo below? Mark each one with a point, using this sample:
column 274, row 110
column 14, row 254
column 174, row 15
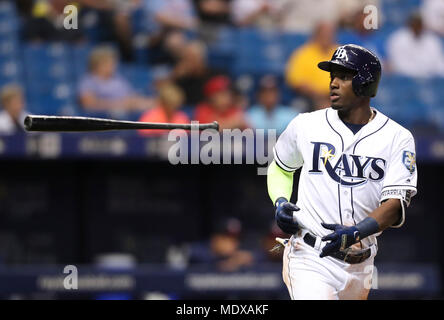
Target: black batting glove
column 342, row 238
column 284, row 216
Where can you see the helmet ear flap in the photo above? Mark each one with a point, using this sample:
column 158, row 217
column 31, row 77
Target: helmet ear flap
column 364, row 84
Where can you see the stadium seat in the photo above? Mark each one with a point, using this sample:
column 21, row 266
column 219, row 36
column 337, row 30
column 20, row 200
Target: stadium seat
column 139, row 21
column 9, row 23
column 221, row 51
column 10, row 71
column 293, row 41
column 46, row 62
column 58, row 99
column 260, row 52
column 140, row 77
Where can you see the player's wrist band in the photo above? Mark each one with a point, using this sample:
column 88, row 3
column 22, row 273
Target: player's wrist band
column 279, row 201
column 367, row 227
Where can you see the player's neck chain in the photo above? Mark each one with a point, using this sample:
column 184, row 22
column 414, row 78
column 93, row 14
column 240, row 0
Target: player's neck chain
column 372, row 116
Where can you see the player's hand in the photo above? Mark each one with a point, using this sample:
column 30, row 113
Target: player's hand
column 284, row 216
column 342, row 238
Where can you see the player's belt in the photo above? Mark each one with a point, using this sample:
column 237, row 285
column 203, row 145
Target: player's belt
column 350, row 256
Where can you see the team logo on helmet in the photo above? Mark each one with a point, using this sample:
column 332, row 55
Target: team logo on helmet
column 341, row 54
column 409, row 160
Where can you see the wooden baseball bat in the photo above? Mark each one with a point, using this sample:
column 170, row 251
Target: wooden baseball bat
column 79, row 124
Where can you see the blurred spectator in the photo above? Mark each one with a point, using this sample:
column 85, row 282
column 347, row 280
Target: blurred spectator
column 45, row 23
column 303, row 74
column 166, row 48
column 223, row 250
column 102, row 89
column 192, row 72
column 256, row 13
column 348, row 10
column 166, row 14
column 213, row 12
column 170, row 19
column 170, row 99
column 220, row 105
column 162, row 75
column 433, row 15
column 304, row 15
column 415, row 52
column 114, row 21
column 24, row 7
column 268, row 113
column 359, row 34
column 13, row 111
column 213, row 15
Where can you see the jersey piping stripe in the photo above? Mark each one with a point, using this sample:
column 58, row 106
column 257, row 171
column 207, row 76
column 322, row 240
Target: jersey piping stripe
column 339, row 185
column 342, row 140
column 353, row 208
column 283, row 165
column 288, row 270
column 280, row 166
column 339, row 198
column 354, row 148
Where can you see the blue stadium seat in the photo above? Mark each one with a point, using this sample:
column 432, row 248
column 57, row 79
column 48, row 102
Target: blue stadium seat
column 221, row 52
column 59, row 99
column 80, row 54
column 7, row 9
column 397, row 11
column 47, row 63
column 411, row 101
column 140, row 77
column 293, row 41
column 9, row 23
column 10, row 71
column 140, row 48
column 9, row 48
column 260, row 52
column 139, row 21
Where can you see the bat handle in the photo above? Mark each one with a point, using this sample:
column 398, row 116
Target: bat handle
column 295, row 218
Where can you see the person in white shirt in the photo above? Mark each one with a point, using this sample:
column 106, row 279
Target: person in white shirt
column 12, row 114
column 433, row 15
column 257, row 13
column 415, row 52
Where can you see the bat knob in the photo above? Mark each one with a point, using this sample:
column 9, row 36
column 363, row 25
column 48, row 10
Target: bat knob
column 28, row 123
column 216, row 125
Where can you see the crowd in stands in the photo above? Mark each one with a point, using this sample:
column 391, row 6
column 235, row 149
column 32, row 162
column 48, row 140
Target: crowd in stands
column 187, row 83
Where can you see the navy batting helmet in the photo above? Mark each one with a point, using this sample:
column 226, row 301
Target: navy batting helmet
column 365, row 63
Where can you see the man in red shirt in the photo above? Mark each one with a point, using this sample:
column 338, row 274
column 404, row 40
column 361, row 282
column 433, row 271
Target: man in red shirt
column 220, row 105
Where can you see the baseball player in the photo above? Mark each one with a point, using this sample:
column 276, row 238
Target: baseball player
column 358, row 174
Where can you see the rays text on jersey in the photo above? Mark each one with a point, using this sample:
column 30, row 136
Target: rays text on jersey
column 346, row 169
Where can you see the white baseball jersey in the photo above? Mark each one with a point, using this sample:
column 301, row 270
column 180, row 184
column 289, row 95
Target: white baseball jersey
column 344, row 176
